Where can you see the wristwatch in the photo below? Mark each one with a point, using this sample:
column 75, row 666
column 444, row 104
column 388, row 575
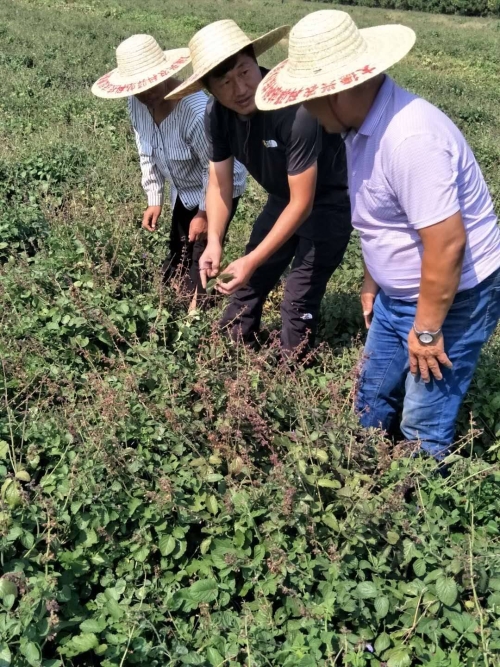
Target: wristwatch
column 427, row 337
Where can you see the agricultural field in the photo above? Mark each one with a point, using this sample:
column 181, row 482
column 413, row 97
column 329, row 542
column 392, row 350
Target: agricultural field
column 167, row 498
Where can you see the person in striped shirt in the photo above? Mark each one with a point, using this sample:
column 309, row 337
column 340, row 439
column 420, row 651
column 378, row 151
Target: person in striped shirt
column 172, row 147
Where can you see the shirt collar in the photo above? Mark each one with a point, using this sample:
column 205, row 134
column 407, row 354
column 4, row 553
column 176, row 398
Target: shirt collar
column 378, row 107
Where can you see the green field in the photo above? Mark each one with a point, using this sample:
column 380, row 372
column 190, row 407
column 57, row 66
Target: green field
column 169, row 499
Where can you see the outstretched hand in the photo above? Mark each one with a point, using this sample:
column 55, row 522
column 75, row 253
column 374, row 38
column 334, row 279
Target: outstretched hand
column 241, row 270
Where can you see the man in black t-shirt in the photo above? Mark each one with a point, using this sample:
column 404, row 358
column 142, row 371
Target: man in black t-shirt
column 306, row 220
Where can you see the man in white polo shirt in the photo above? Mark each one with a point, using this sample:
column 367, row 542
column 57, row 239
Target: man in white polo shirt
column 429, row 234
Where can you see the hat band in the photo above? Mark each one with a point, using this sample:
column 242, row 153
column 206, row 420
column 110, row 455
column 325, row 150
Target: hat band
column 273, row 92
column 106, row 84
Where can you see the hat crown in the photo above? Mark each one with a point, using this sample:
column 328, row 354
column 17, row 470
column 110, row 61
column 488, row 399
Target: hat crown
column 138, row 54
column 322, row 39
column 215, row 43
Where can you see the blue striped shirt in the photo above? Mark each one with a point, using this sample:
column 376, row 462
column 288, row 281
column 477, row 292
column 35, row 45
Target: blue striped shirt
column 176, row 151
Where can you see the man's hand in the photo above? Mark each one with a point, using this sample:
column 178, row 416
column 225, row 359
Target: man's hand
column 150, row 217
column 369, row 291
column 242, row 270
column 198, row 227
column 426, row 358
column 210, row 261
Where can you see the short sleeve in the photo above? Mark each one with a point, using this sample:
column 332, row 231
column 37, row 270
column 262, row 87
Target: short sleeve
column 301, row 134
column 423, row 174
column 219, row 148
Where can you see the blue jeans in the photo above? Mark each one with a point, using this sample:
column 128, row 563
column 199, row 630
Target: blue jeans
column 429, row 411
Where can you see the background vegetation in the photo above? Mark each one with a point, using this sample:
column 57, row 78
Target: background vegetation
column 167, row 499
column 465, row 7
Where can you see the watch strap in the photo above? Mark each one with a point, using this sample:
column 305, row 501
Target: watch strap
column 431, row 333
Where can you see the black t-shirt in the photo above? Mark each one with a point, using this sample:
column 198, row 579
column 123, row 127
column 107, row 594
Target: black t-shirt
column 275, row 144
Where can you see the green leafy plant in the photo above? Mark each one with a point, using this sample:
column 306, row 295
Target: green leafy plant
column 166, row 497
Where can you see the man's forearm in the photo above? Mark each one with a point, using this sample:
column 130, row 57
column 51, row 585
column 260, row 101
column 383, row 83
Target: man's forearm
column 369, row 282
column 441, row 271
column 285, row 226
column 219, row 202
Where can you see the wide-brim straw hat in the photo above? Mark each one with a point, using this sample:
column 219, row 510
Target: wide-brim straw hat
column 327, row 54
column 141, row 64
column 217, row 42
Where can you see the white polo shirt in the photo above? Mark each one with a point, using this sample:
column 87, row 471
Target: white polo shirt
column 410, row 167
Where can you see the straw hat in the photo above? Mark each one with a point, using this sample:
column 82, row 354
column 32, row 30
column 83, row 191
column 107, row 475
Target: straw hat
column 328, row 54
column 216, row 42
column 141, row 65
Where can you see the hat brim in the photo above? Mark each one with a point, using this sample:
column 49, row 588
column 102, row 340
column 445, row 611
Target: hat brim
column 114, row 86
column 260, row 45
column 386, row 45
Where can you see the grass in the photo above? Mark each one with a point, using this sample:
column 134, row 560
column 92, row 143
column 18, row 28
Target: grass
column 188, row 503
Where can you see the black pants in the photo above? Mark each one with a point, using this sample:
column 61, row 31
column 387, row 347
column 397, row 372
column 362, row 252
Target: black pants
column 313, row 263
column 184, row 257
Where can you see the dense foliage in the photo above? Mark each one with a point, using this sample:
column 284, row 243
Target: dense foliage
column 165, row 497
column 464, row 7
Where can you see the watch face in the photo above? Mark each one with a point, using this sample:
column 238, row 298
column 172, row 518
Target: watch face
column 426, row 338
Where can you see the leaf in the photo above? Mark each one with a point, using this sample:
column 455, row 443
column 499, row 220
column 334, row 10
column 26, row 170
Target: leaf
column 81, row 644
column 398, row 657
column 214, row 657
column 212, row 505
column 223, row 277
column 11, row 493
column 258, row 554
column 446, row 590
column 192, row 658
column 8, row 602
column 7, row 587
column 409, row 551
column 93, row 625
column 329, row 483
column 382, row 606
column 392, row 537
column 236, row 465
column 214, row 477
column 32, row 653
column 494, row 584
column 382, row 643
column 114, row 608
column 90, row 538
column 141, row 554
column 5, row 654
column 23, row 476
column 307, row 661
column 4, row 452
column 166, row 545
column 198, row 462
column 133, row 505
column 367, row 590
column 204, row 590
column 331, row 522
column 419, row 567
column 322, row 456
column 205, row 545
column 27, row 540
column 450, row 634
column 181, row 549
